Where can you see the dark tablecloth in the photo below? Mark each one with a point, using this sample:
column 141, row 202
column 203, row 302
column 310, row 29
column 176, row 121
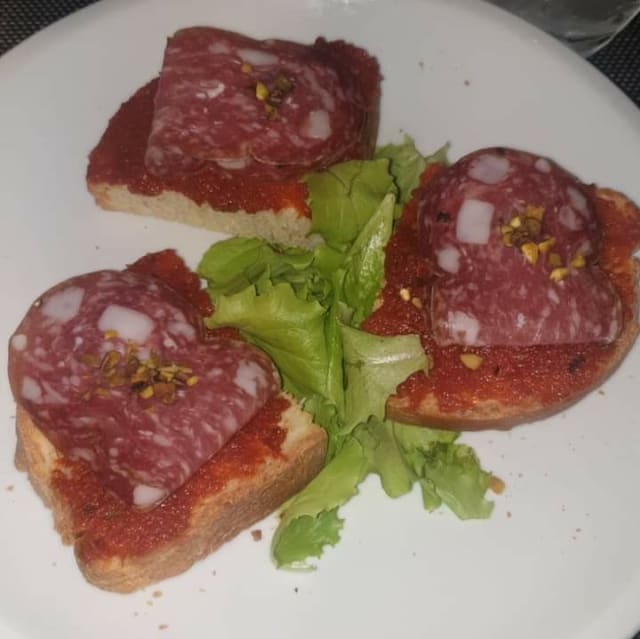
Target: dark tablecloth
column 19, row 19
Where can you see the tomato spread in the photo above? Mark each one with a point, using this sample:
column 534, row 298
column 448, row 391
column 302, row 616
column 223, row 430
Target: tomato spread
column 544, row 375
column 106, row 527
column 119, row 160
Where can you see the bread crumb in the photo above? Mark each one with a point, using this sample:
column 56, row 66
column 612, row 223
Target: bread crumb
column 163, row 626
column 496, row 485
column 156, row 593
column 256, row 534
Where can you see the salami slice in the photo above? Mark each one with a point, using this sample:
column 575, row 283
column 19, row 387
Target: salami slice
column 236, row 101
column 112, row 368
column 512, row 238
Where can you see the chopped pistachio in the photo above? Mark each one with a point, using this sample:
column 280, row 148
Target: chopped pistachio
column 558, row 273
column 110, row 361
column 530, row 251
column 147, row 392
column 534, row 212
column 555, row 260
column 546, row 244
column 578, row 261
column 471, row 360
column 262, row 93
column 92, row 361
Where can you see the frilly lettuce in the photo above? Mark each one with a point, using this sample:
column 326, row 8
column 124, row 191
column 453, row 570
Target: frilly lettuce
column 304, row 307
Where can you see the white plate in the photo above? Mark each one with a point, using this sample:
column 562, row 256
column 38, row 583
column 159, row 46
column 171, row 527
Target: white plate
column 559, row 557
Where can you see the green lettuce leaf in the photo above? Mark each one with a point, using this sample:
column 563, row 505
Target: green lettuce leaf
column 364, row 263
column 385, row 457
column 449, row 472
column 374, row 366
column 336, row 483
column 407, row 165
column 301, row 336
column 345, row 196
column 303, row 307
column 306, row 537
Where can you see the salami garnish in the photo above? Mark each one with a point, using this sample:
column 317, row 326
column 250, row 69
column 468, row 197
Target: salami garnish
column 512, row 239
column 235, row 101
column 112, row 368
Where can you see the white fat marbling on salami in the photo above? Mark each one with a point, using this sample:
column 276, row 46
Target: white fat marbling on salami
column 141, row 455
column 578, row 199
column 145, row 496
column 318, row 125
column 464, row 326
column 474, row 221
column 449, row 259
column 249, row 377
column 226, row 98
column 489, row 168
column 64, row 305
column 257, row 57
column 217, row 47
column 82, row 453
column 570, row 219
column 128, row 323
column 19, row 342
column 233, row 165
column 543, row 165
column 182, row 328
column 552, row 294
column 210, row 91
column 52, row 396
column 511, row 301
column 30, row 390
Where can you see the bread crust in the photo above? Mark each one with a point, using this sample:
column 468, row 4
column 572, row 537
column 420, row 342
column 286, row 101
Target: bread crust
column 215, row 518
column 425, row 408
column 286, row 226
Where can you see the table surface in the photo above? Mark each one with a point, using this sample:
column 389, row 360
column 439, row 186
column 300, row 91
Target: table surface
column 619, row 61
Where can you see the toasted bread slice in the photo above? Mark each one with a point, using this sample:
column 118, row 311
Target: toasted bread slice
column 122, row 549
column 513, row 385
column 285, row 226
